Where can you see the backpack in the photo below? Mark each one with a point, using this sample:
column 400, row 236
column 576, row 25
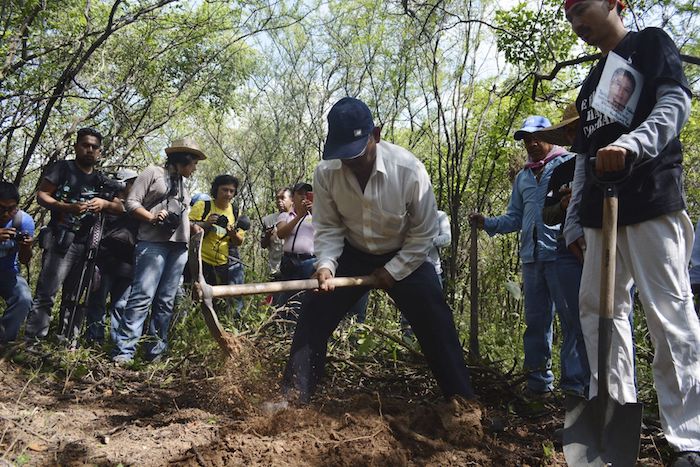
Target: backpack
column 119, row 238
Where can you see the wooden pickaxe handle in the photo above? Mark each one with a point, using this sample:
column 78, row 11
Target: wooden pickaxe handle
column 286, row 286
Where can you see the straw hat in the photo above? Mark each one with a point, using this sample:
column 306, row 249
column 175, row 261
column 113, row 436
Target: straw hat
column 556, row 134
column 187, row 145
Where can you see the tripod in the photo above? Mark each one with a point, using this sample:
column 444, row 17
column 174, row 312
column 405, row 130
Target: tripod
column 73, row 310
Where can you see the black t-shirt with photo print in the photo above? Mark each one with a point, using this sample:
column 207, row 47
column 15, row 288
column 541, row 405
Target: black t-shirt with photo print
column 73, row 185
column 655, row 186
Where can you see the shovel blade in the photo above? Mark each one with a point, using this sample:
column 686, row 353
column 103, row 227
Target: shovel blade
column 601, row 432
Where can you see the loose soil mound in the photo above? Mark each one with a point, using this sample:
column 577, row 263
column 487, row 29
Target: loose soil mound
column 186, row 415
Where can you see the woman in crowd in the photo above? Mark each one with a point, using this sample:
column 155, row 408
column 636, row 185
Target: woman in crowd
column 160, row 201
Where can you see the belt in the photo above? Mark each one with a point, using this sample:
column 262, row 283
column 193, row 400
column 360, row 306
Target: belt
column 301, row 256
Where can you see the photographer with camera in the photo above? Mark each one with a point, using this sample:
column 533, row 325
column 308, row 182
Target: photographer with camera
column 269, row 239
column 160, row 202
column 72, row 191
column 224, row 233
column 297, row 230
column 115, row 262
column 16, row 235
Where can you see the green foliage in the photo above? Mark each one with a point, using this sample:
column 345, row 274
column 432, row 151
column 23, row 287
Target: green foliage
column 548, row 451
column 534, row 35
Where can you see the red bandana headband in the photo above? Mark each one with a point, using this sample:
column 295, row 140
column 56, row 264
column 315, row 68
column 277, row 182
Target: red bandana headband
column 569, row 3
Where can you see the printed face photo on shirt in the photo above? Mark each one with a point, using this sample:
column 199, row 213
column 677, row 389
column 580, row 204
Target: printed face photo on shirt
column 618, row 91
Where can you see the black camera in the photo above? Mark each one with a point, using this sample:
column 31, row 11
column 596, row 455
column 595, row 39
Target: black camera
column 111, row 188
column 171, row 222
column 19, row 236
column 22, row 236
column 222, row 221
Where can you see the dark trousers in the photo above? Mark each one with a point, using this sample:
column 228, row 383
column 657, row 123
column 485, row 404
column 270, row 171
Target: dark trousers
column 418, row 297
column 58, row 269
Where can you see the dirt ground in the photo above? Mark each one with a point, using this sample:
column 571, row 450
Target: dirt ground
column 183, row 414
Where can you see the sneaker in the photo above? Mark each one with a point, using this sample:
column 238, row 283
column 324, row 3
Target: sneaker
column 154, row 358
column 121, row 360
column 533, row 404
column 34, row 346
column 533, row 395
column 687, row 459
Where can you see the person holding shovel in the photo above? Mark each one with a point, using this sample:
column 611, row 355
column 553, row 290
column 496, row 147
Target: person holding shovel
column 654, row 232
column 374, row 213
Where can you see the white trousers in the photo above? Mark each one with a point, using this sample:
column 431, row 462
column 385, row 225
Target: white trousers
column 654, row 255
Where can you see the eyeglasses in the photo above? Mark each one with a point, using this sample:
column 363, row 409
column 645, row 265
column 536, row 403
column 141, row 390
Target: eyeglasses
column 4, row 209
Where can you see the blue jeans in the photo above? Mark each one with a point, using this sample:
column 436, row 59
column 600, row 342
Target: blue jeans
column 303, row 270
column 157, row 270
column 236, row 275
column 226, row 274
column 418, row 297
column 543, row 290
column 575, row 373
column 118, row 289
column 57, row 269
column 359, row 309
column 18, row 300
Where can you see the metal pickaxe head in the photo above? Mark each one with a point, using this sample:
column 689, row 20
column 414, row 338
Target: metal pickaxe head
column 204, row 293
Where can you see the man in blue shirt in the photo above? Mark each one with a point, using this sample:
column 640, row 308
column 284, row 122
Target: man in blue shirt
column 16, row 233
column 538, row 245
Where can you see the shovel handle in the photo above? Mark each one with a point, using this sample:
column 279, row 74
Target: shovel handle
column 607, row 289
column 286, row 286
column 474, row 290
column 607, row 277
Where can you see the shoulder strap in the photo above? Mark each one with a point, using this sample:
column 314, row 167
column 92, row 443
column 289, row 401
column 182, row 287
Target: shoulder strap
column 236, row 211
column 207, row 209
column 164, row 197
column 294, row 242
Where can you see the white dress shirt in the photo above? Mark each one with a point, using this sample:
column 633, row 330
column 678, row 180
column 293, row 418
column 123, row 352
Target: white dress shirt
column 443, row 239
column 397, row 211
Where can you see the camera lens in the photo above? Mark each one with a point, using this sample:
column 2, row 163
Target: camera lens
column 222, row 221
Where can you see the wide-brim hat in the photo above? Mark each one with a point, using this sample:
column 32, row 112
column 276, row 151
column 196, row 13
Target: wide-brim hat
column 349, row 126
column 187, row 145
column 556, row 134
column 532, row 124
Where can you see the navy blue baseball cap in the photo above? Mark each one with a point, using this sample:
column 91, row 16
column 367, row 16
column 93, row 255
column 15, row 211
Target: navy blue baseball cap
column 349, row 126
column 302, row 186
column 530, row 125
